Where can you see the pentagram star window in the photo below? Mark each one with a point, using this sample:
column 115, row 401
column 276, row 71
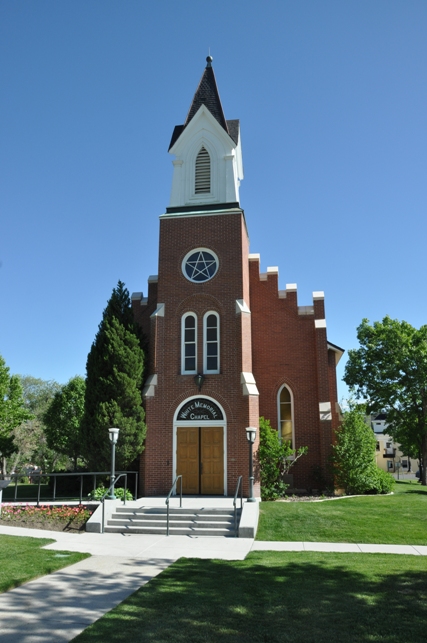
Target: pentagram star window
column 200, row 265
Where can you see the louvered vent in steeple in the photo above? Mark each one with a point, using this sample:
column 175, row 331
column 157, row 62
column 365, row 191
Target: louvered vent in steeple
column 203, row 172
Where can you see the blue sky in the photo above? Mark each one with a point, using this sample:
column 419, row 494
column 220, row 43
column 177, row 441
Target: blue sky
column 332, row 99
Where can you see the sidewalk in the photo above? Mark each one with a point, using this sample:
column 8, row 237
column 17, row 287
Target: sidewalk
column 57, row 607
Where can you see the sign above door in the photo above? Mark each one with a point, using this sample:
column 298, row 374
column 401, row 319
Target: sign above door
column 199, row 409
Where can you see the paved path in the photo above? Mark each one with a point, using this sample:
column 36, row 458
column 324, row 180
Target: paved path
column 57, row 607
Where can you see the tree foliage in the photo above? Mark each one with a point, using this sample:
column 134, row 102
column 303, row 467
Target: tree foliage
column 353, row 456
column 63, row 419
column 389, row 370
column 115, row 369
column 12, row 408
column 29, row 437
column 275, row 458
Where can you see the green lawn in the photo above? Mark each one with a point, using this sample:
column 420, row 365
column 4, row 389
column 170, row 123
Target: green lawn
column 275, row 597
column 400, row 518
column 22, row 559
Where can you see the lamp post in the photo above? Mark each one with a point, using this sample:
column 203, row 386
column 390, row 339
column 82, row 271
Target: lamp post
column 114, row 436
column 251, row 436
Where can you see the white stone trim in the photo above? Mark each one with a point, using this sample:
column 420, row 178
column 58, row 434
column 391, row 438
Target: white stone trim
column 273, row 270
column 150, row 386
column 136, row 296
column 291, row 288
column 248, row 383
column 320, row 323
column 338, row 353
column 242, row 307
column 263, row 276
column 318, row 294
column 160, row 311
column 153, row 279
column 254, row 257
column 325, row 411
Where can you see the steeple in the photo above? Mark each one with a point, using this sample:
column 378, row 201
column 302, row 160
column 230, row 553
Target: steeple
column 207, row 94
column 208, row 165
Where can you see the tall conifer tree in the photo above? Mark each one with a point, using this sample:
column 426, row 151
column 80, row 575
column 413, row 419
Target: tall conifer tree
column 114, row 378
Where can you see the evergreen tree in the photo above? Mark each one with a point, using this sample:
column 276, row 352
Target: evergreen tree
column 114, row 378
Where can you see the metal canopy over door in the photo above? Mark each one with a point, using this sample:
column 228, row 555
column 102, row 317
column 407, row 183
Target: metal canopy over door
column 200, row 459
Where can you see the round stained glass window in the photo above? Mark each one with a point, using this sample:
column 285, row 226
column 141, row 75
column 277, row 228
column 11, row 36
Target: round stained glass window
column 200, row 265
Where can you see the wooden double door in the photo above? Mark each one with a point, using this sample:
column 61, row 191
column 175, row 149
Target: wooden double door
column 200, row 460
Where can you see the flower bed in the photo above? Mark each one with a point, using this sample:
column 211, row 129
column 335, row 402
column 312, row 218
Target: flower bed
column 52, row 517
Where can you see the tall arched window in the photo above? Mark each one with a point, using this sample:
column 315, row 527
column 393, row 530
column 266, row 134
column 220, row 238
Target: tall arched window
column 286, row 415
column 211, row 343
column 189, row 343
column 203, row 172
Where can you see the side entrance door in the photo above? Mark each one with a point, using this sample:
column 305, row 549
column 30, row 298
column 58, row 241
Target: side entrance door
column 200, row 460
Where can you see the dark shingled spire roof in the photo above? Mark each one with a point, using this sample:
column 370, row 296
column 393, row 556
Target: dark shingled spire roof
column 207, row 94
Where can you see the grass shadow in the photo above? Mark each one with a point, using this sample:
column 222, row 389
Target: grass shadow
column 275, row 597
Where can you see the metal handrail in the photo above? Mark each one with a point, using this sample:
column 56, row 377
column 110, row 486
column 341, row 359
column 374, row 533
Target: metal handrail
column 239, row 484
column 70, row 474
column 111, row 488
column 168, row 498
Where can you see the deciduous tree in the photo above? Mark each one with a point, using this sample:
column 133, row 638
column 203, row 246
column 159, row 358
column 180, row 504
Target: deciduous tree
column 63, row 419
column 353, row 456
column 12, row 410
column 389, row 371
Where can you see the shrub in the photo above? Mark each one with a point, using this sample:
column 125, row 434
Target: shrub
column 274, row 459
column 353, row 456
column 119, row 492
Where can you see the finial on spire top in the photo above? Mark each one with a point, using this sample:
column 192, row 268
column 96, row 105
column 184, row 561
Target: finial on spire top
column 209, row 60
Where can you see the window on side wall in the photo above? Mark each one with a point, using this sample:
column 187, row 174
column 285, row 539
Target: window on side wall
column 189, row 343
column 285, row 404
column 211, row 343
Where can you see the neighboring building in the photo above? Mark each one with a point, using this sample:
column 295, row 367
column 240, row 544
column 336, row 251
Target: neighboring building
column 388, row 455
column 225, row 344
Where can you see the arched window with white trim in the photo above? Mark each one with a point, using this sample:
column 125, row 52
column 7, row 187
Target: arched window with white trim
column 202, row 183
column 286, row 415
column 189, row 343
column 211, row 343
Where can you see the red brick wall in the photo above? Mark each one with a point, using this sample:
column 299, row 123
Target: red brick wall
column 226, row 235
column 287, row 349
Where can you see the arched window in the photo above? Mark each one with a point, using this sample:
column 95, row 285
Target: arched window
column 286, row 415
column 203, row 172
column 189, row 343
column 211, row 343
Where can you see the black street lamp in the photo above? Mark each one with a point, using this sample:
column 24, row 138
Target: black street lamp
column 251, row 436
column 114, row 436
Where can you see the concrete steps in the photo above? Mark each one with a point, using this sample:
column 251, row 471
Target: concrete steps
column 182, row 522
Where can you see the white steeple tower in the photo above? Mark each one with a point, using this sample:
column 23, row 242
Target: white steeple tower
column 208, row 157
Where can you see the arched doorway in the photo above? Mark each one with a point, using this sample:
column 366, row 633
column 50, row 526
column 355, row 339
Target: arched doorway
column 199, row 447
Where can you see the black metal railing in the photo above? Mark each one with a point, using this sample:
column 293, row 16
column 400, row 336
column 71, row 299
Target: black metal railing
column 109, row 490
column 239, row 485
column 168, row 498
column 38, row 477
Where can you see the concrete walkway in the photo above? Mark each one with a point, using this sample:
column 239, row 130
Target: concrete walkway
column 57, row 607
